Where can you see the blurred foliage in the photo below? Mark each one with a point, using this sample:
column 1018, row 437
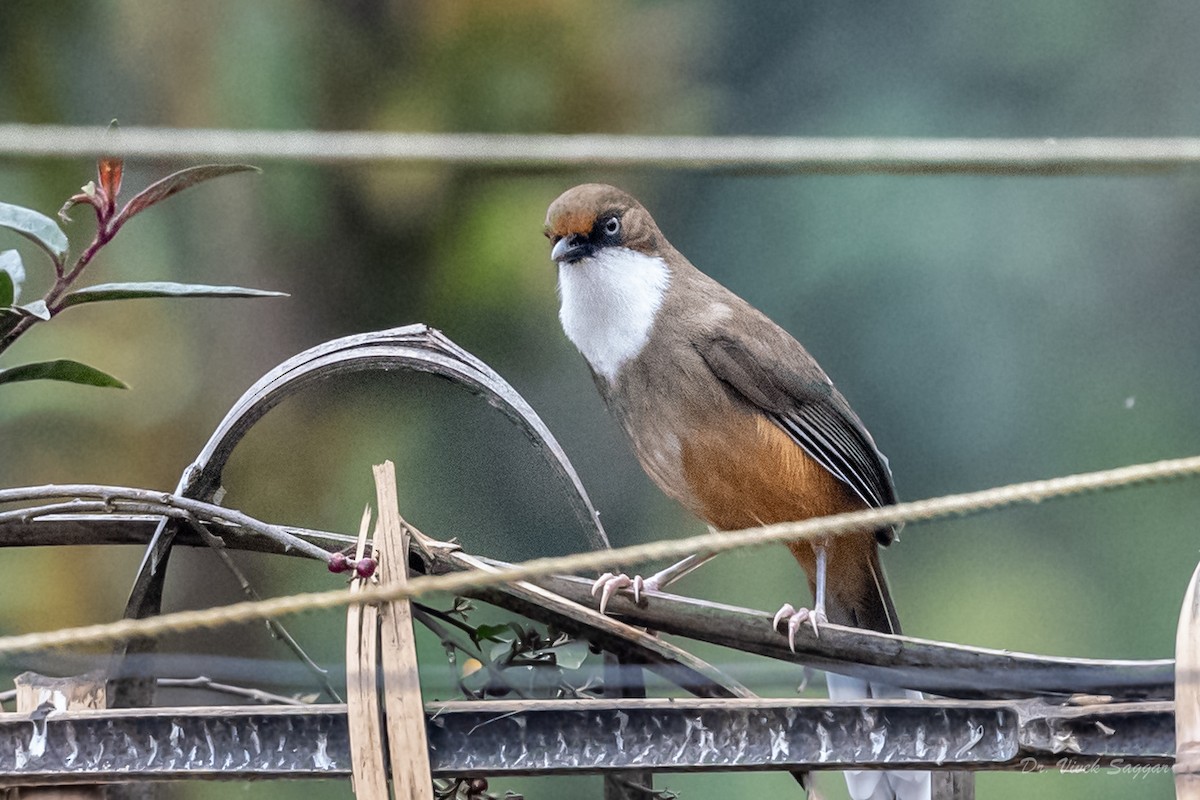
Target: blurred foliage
column 988, row 329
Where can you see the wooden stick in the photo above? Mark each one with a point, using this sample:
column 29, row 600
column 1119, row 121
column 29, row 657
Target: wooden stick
column 407, row 743
column 37, row 693
column 1187, row 694
column 367, row 764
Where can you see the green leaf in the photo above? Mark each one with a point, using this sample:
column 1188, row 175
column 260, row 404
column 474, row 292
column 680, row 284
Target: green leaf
column 42, row 230
column 10, row 265
column 133, row 291
column 491, row 632
column 501, row 650
column 9, row 319
column 177, row 182
column 570, row 655
column 60, row 370
column 6, row 289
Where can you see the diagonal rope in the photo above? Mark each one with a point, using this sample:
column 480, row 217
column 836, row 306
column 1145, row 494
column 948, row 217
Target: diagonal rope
column 955, row 505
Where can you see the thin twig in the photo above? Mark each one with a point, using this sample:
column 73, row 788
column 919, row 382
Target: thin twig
column 277, row 630
column 116, row 504
column 421, row 613
column 257, row 695
column 105, row 527
column 190, row 511
column 202, row 682
column 62, row 282
column 448, row 618
column 162, row 502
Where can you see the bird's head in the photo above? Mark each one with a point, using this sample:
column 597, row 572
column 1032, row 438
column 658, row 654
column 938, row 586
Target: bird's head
column 587, row 219
column 613, row 276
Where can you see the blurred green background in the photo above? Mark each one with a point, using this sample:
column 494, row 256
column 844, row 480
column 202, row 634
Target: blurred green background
column 987, row 329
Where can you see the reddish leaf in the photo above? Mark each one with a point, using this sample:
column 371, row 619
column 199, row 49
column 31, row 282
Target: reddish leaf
column 177, row 182
column 110, row 171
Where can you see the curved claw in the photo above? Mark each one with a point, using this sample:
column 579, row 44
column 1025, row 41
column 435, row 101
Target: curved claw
column 786, row 611
column 601, row 581
column 610, row 583
column 638, row 587
column 795, row 618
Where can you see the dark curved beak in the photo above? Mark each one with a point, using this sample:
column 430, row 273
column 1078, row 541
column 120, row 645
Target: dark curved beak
column 571, row 248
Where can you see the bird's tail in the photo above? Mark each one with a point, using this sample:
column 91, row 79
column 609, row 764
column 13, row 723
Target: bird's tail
column 862, row 600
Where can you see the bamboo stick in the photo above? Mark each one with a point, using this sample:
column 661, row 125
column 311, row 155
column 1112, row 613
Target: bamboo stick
column 1187, row 694
column 407, row 744
column 368, row 767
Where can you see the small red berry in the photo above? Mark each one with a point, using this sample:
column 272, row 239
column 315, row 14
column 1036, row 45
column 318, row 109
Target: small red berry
column 365, row 567
column 338, row 562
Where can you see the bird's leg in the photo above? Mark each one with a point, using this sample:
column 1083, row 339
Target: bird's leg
column 819, row 611
column 798, row 616
column 610, row 583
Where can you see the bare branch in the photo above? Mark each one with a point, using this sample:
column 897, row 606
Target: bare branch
column 278, row 631
column 257, row 695
column 122, row 498
column 950, row 670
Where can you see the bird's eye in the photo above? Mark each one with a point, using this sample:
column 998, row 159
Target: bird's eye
column 612, row 226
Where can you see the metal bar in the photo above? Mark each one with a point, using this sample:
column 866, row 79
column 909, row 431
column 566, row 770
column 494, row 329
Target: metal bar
column 755, row 154
column 1101, row 732
column 586, row 737
column 767, row 734
column 160, row 744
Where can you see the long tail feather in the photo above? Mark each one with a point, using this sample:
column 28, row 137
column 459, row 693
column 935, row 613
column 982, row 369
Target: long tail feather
column 867, row 603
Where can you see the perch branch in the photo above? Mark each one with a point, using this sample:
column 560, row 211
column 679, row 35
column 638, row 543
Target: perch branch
column 121, row 498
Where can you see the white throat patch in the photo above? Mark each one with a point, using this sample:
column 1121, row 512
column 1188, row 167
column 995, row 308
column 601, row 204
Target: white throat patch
column 609, row 303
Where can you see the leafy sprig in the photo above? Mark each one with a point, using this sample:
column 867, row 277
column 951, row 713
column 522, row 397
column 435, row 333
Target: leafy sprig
column 102, row 195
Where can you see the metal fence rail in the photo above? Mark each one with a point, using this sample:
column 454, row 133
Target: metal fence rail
column 586, row 737
column 790, row 155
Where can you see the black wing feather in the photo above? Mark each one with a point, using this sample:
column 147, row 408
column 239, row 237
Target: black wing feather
column 800, row 399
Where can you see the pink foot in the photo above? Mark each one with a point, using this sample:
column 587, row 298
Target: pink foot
column 610, row 583
column 795, row 618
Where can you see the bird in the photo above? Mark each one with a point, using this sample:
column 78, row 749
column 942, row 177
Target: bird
column 729, row 416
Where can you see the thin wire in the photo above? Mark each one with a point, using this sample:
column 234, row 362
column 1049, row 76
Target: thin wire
column 871, row 519
column 792, row 155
